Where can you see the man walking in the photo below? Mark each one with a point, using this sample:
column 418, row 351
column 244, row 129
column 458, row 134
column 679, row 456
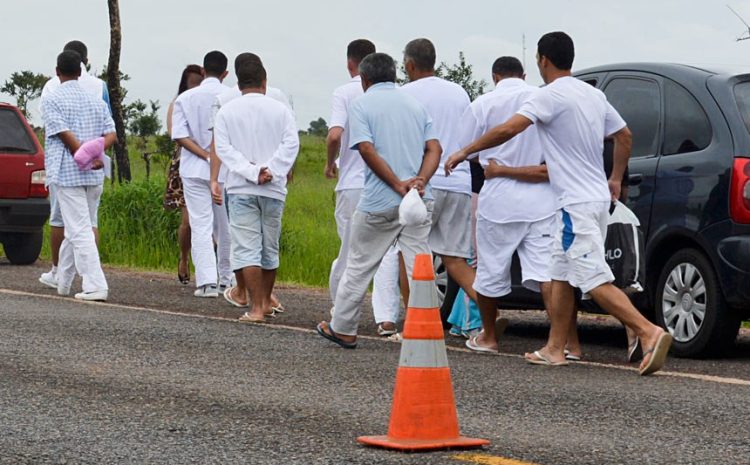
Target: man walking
column 573, row 119
column 451, row 236
column 191, row 121
column 350, row 170
column 516, row 205
column 97, row 89
column 72, row 116
column 394, row 135
column 256, row 139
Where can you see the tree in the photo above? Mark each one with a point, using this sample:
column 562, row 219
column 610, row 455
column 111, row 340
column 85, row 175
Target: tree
column 25, row 86
column 115, row 91
column 142, row 122
column 319, row 127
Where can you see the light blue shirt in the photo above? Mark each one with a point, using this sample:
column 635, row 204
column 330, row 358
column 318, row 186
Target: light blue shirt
column 70, row 108
column 398, row 126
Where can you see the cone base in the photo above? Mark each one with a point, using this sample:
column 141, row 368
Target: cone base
column 422, row 445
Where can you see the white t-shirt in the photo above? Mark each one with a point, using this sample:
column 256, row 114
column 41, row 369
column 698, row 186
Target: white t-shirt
column 350, row 163
column 191, row 117
column 445, row 102
column 505, row 200
column 256, row 131
column 573, row 119
column 90, row 84
column 233, row 92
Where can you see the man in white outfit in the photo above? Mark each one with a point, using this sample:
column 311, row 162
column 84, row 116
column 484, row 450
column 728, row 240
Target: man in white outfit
column 516, row 205
column 191, row 121
column 256, row 139
column 348, row 166
column 97, row 89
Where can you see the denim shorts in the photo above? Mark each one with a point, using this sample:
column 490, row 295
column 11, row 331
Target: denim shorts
column 255, row 228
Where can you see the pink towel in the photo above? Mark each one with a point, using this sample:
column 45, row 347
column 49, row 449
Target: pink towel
column 88, row 152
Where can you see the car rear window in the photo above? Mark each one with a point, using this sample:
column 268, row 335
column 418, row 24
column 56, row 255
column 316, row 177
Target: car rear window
column 742, row 96
column 14, row 138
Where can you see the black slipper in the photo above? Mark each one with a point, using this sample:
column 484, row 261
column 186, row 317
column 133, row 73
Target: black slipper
column 335, row 339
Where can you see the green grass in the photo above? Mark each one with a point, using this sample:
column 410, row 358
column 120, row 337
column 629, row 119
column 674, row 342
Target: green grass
column 136, row 232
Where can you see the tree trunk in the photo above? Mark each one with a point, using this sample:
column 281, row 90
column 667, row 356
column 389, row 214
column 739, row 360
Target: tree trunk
column 115, row 91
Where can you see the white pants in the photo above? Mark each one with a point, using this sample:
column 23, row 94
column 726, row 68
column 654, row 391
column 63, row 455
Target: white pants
column 78, row 252
column 208, row 221
column 386, row 302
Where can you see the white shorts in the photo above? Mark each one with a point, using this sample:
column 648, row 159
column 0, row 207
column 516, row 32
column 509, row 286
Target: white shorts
column 496, row 243
column 578, row 249
column 451, row 224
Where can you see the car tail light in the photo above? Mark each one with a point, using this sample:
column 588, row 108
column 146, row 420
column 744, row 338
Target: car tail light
column 37, row 187
column 739, row 196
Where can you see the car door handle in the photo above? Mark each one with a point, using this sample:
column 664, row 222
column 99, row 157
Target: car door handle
column 635, row 179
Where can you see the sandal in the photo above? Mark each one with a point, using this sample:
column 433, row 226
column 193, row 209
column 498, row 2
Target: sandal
column 228, row 297
column 382, row 331
column 334, row 338
column 537, row 358
column 658, row 354
column 474, row 346
column 248, row 318
column 635, row 351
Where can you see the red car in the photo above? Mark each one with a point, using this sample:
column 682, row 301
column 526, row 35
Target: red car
column 24, row 207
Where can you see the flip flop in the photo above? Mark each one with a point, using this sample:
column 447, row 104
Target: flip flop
column 228, row 298
column 386, row 332
column 572, row 357
column 278, row 309
column 247, row 318
column 472, row 345
column 658, row 354
column 333, row 338
column 635, row 351
column 542, row 360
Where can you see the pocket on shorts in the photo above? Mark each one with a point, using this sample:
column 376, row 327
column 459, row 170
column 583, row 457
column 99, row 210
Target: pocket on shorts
column 382, row 217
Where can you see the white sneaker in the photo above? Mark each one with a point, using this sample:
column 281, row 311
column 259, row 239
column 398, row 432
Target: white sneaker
column 94, row 295
column 49, row 279
column 208, row 290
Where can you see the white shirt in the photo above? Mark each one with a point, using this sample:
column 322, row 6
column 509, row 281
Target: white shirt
column 90, row 84
column 234, row 92
column 573, row 119
column 503, row 199
column 350, row 163
column 252, row 132
column 445, row 102
column 191, row 117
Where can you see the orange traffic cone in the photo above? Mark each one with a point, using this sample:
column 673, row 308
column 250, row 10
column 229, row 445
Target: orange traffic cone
column 423, row 416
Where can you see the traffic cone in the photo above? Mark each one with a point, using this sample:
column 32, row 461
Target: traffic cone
column 423, row 416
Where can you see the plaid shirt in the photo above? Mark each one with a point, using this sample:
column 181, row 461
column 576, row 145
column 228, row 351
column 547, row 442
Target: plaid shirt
column 70, row 108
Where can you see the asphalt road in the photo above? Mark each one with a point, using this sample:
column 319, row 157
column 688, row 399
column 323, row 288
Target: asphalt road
column 92, row 383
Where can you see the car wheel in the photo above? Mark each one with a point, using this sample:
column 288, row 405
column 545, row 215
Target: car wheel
column 690, row 305
column 441, row 278
column 22, row 248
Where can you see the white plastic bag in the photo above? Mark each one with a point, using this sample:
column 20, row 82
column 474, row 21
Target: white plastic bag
column 412, row 211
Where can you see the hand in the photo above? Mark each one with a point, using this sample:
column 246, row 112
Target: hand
column 264, row 176
column 417, row 183
column 290, row 176
column 615, row 188
column 402, row 187
column 216, row 193
column 331, row 171
column 452, row 162
column 97, row 164
column 493, row 170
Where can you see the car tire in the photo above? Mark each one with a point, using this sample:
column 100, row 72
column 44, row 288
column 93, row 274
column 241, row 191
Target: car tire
column 22, row 248
column 690, row 305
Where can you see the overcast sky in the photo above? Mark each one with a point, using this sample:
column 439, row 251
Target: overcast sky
column 303, row 44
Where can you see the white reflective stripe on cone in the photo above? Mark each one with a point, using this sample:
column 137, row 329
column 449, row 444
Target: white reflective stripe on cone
column 423, row 294
column 423, row 353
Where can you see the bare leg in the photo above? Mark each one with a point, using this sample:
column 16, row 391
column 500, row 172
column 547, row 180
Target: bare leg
column 254, row 280
column 269, row 279
column 462, row 274
column 403, row 280
column 488, row 311
column 617, row 304
column 561, row 305
column 56, row 237
column 183, row 237
column 573, row 344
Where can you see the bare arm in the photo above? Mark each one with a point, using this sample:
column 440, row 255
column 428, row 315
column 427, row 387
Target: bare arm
column 621, row 154
column 216, row 193
column 498, row 135
column 333, row 144
column 430, row 163
column 70, row 140
column 381, row 168
column 192, row 147
column 533, row 174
